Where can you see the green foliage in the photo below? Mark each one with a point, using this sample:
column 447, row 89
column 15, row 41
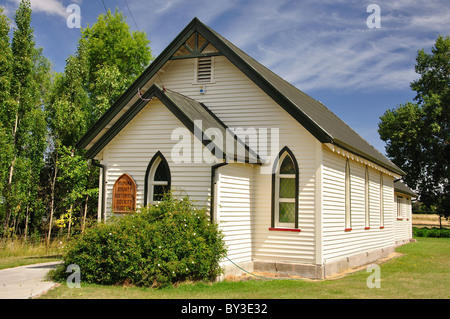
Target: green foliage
column 417, row 135
column 113, row 57
column 108, row 58
column 43, row 115
column 157, row 246
column 24, row 81
column 5, row 62
column 6, row 149
column 431, row 232
column 75, row 175
column 110, row 42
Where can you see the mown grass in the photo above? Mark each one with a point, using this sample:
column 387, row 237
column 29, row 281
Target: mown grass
column 421, row 271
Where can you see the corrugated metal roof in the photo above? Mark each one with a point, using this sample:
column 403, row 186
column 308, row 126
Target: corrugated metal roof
column 331, row 125
column 313, row 115
column 196, row 111
column 401, row 187
column 193, row 114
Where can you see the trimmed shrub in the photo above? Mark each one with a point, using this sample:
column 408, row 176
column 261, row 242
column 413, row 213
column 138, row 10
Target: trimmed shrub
column 431, row 232
column 157, row 246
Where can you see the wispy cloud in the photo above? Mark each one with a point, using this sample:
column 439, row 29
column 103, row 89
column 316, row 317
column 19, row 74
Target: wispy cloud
column 317, row 45
column 50, row 7
column 313, row 44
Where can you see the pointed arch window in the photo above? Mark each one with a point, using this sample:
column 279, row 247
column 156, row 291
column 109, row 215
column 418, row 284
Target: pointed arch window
column 367, row 198
column 348, row 197
column 381, row 201
column 157, row 179
column 285, row 179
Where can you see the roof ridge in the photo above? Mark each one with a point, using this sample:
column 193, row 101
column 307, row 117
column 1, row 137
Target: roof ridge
column 314, row 116
column 316, row 104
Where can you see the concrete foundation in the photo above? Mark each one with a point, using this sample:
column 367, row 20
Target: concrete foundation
column 312, row 271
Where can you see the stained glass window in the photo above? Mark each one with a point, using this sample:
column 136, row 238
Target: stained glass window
column 287, row 166
column 287, row 187
column 287, row 213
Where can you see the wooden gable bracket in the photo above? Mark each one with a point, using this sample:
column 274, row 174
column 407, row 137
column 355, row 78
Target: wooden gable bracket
column 195, row 52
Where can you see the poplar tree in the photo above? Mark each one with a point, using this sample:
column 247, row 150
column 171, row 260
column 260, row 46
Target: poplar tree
column 5, row 101
column 23, row 121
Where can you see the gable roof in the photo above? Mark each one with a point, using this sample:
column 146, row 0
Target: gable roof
column 311, row 114
column 193, row 114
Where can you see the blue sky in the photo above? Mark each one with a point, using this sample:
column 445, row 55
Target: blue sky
column 325, row 48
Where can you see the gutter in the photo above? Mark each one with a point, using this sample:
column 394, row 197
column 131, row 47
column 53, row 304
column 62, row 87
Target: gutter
column 213, row 177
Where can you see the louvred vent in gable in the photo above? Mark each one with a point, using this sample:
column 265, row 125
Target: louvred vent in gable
column 204, row 69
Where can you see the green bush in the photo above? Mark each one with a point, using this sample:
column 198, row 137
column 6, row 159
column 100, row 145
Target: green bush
column 157, row 246
column 431, row 232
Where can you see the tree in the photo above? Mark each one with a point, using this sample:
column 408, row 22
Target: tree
column 75, row 177
column 5, row 101
column 417, row 135
column 108, row 58
column 114, row 57
column 25, row 83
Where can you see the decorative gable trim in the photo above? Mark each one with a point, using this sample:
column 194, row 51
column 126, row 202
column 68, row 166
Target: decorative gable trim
column 279, row 90
column 197, row 51
column 196, row 26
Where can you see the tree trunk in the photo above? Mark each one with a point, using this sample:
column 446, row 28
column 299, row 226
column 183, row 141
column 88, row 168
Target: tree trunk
column 26, row 222
column 70, row 221
column 52, row 202
column 85, row 213
column 8, row 204
column 11, row 170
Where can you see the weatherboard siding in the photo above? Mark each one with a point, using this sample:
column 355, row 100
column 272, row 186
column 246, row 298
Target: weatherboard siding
column 240, row 103
column 234, row 209
column 132, row 149
column 403, row 223
column 338, row 242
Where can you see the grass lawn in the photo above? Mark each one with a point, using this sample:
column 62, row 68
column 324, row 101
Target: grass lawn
column 422, row 271
column 17, row 253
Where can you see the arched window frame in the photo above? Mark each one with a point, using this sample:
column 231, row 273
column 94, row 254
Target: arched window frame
column 348, row 197
column 275, row 224
column 367, row 197
column 157, row 159
column 381, row 201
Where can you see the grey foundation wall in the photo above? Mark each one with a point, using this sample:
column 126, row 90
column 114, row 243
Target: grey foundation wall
column 311, row 271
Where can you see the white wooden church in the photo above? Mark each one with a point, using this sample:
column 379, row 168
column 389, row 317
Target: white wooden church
column 293, row 188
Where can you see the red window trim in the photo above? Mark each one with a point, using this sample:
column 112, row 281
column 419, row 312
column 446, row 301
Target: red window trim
column 381, row 227
column 348, row 229
column 399, row 218
column 296, row 230
column 366, row 228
